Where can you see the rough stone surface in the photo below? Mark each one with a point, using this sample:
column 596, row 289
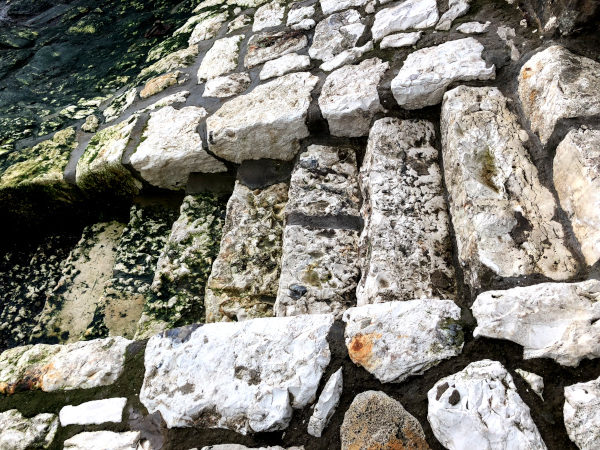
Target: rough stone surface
column 168, row 100
column 264, row 47
column 324, row 183
column 266, row 123
column 480, row 408
column 400, row 40
column 456, row 9
column 395, row 340
column 576, row 179
column 171, row 148
column 417, row 14
column 405, row 246
column 245, row 276
column 159, row 84
column 91, row 124
column 267, row 16
column 473, row 27
column 244, row 376
column 20, row 433
column 227, row 86
column 556, row 84
column 94, row 412
column 102, row 440
column 331, row 6
column 550, row 320
column 100, row 170
column 239, row 22
column 297, row 15
column 207, row 28
column 335, row 34
column 325, row 407
column 81, row 365
column 221, row 58
column 305, row 24
column 291, row 62
column 376, row 421
column 503, row 216
column 427, row 73
column 349, row 99
column 582, row 414
column 319, row 271
column 176, row 60
column 119, row 105
column 346, row 57
column 535, row 381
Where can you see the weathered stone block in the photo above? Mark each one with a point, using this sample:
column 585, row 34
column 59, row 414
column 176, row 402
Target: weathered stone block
column 263, row 47
column 20, row 433
column 335, row 34
column 582, row 413
column 411, row 14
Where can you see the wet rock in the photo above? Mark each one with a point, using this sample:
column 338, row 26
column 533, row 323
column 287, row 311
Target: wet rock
column 400, row 40
column 535, row 381
column 159, row 84
column 556, row 84
column 335, row 34
column 20, row 433
column 100, row 440
column 267, row 16
column 221, row 58
column 473, row 27
column 266, row 123
column 550, row 320
column 292, row 62
column 349, row 99
column 208, row 28
column 80, row 365
column 184, row 267
column 405, row 245
column 427, row 73
column 319, row 271
column 171, row 148
column 325, row 407
column 227, row 86
column 346, row 57
column 411, row 14
column 94, row 412
column 479, row 407
column 99, row 170
column 395, row 340
column 245, row 276
column 297, row 15
column 119, row 105
column 264, row 47
column 576, row 179
column 375, row 420
column 171, row 62
column 91, row 124
column 582, row 413
column 246, row 377
column 456, row 9
column 503, row 216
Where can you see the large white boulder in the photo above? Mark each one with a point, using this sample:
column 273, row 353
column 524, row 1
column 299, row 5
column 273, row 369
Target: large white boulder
column 221, row 58
column 503, row 216
column 410, row 14
column 479, row 408
column 582, row 414
column 266, row 123
column 427, row 73
column 245, row 376
column 550, row 320
column 396, row 340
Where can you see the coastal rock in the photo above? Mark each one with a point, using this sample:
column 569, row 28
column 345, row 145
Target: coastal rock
column 480, row 408
column 556, row 84
column 534, row 381
column 456, row 9
column 221, row 58
column 319, row 271
column 245, row 376
column 20, row 433
column 176, row 60
column 227, row 86
column 266, row 123
column 473, row 27
column 411, row 14
column 91, row 124
column 346, row 57
column 577, row 182
column 396, row 340
column 167, row 100
column 171, row 148
column 405, row 246
column 159, row 84
column 427, row 73
column 245, row 276
column 207, row 28
column 502, row 214
column 349, row 99
column 95, row 412
column 264, row 47
column 239, row 22
column 267, row 16
column 400, row 40
column 335, row 34
column 81, row 365
column 292, row 62
column 550, row 320
column 331, row 6
column 305, row 24
column 375, row 420
column 325, row 407
column 582, row 414
column 119, row 105
column 101, row 440
column 297, row 15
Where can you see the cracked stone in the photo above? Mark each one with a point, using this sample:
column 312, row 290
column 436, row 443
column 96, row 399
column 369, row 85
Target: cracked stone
column 207, row 28
column 400, row 40
column 297, row 15
column 335, row 34
column 346, row 57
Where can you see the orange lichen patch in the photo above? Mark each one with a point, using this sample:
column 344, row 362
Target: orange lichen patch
column 361, row 348
column 410, row 440
column 527, row 73
column 30, row 381
column 158, row 84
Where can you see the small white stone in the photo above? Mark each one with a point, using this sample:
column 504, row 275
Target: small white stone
column 411, row 14
column 239, row 22
column 306, row 24
column 505, row 33
column 103, row 440
column 93, row 413
column 400, row 40
column 221, row 58
column 178, row 97
column 336, row 33
column 227, row 86
column 346, row 57
column 325, row 407
column 535, row 381
column 456, row 9
column 292, row 62
column 331, row 6
column 297, row 15
column 267, row 16
column 207, row 28
column 473, row 27
column 582, row 414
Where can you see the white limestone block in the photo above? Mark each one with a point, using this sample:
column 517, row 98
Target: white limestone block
column 20, row 433
column 456, row 9
column 267, row 16
column 292, row 62
column 336, row 33
column 325, row 407
column 410, row 14
column 582, row 414
column 400, row 40
column 221, row 58
column 103, row 440
column 534, row 381
column 95, row 412
column 473, row 27
column 227, row 86
column 331, row 6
